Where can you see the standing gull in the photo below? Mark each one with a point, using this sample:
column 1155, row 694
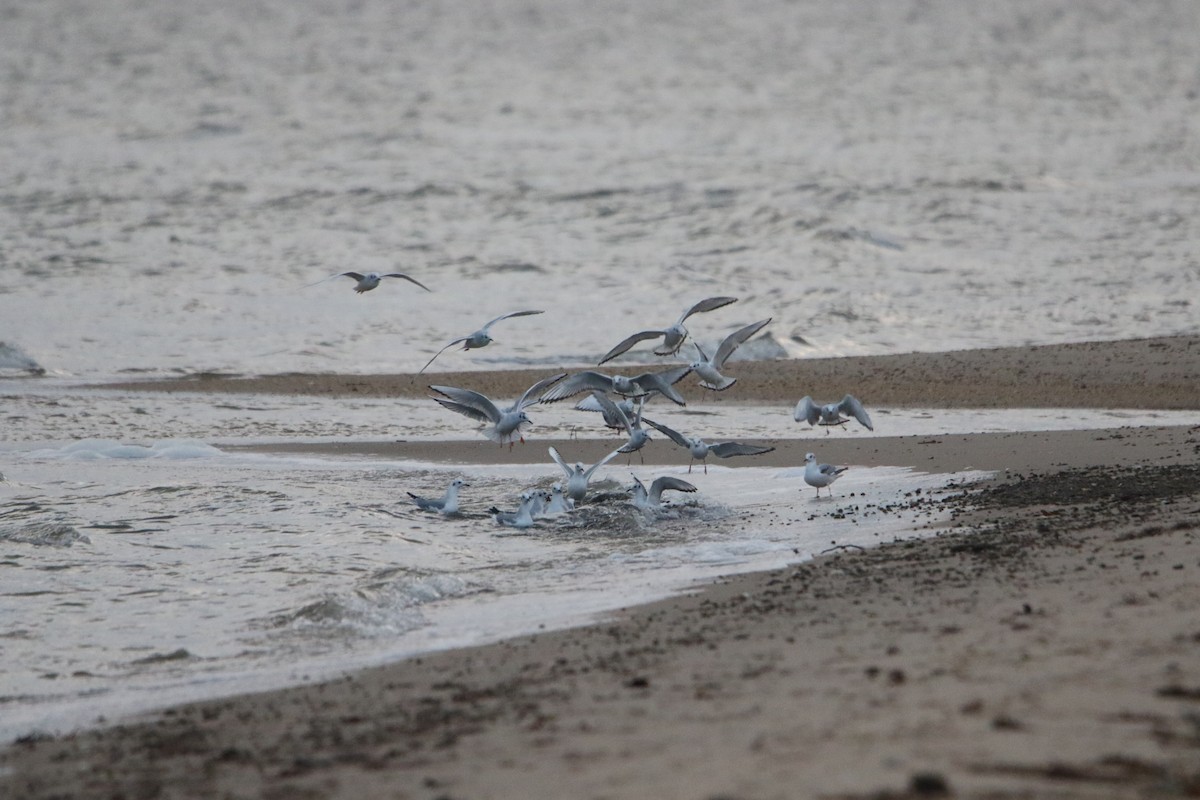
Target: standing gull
column 651, row 499
column 505, row 425
column 366, row 281
column 709, row 369
column 480, row 338
column 577, row 476
column 446, row 504
column 673, row 336
column 820, row 475
column 831, row 413
column 638, row 386
column 700, row 450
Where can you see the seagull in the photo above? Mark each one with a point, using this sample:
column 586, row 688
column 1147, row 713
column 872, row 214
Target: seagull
column 558, row 503
column 709, row 369
column 820, row 475
column 590, row 403
column 446, row 504
column 673, row 336
column 651, row 500
column 480, row 338
column 577, row 476
column 700, row 450
column 506, row 424
column 637, row 386
column 523, row 516
column 637, row 436
column 831, row 413
column 369, row 280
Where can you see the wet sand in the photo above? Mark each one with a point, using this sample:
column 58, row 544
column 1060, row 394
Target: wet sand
column 1046, row 643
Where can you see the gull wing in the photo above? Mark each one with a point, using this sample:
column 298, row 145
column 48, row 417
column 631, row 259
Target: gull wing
column 707, row 304
column 675, row 436
column 807, row 411
column 587, row 475
column 663, row 382
column 579, row 382
column 559, row 460
column 734, row 340
column 484, row 409
column 439, row 352
column 393, row 275
column 531, row 394
column 507, row 316
column 628, row 343
column 356, row 275
column 666, row 482
column 727, row 449
column 852, row 408
column 611, row 409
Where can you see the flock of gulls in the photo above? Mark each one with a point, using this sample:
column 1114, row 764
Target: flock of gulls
column 621, row 400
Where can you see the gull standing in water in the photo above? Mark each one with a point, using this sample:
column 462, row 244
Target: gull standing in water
column 651, row 499
column 709, row 369
column 831, row 413
column 674, row 336
column 700, row 450
column 577, row 476
column 366, row 281
column 505, row 424
column 446, row 504
column 820, row 475
column 638, row 386
column 480, row 338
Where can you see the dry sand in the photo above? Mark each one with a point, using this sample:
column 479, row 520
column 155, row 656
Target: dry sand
column 1046, row 645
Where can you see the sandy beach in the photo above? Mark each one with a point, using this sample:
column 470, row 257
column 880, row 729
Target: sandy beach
column 1043, row 644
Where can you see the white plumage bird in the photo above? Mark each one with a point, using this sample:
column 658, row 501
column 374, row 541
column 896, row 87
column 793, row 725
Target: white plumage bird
column 831, row 413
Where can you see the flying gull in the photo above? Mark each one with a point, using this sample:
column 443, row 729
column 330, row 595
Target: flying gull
column 700, row 449
column 709, row 369
column 480, row 338
column 674, row 336
column 831, row 413
column 503, row 425
column 366, row 281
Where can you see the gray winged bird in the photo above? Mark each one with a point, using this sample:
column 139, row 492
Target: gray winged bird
column 820, row 475
column 590, row 403
column 577, row 476
column 674, row 336
column 502, row 425
column 651, row 499
column 709, row 369
column 637, row 386
column 831, row 413
column 633, row 427
column 700, row 449
column 366, row 281
column 446, row 504
column 480, row 338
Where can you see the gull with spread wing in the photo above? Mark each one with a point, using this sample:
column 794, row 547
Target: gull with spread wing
column 651, row 499
column 831, row 413
column 633, row 427
column 674, row 336
column 446, row 504
column 480, row 338
column 637, row 386
column 366, row 281
column 700, row 449
column 501, row 425
column 577, row 476
column 709, row 369
column 613, row 421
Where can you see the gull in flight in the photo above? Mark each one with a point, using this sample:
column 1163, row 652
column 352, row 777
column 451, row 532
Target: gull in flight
column 700, row 449
column 633, row 427
column 501, row 425
column 637, row 386
column 673, row 336
column 523, row 516
column 577, row 476
column 820, row 475
column 709, row 369
column 831, row 413
column 366, row 281
column 446, row 504
column 651, row 499
column 590, row 403
column 480, row 338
